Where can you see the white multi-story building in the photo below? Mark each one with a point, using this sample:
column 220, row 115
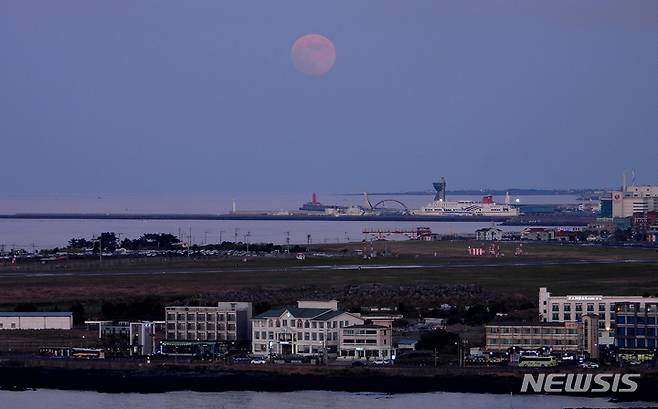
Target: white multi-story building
column 228, row 321
column 36, row 320
column 311, row 328
column 565, row 308
column 634, row 199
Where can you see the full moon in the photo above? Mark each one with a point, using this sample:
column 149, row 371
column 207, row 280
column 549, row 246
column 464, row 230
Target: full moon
column 313, row 54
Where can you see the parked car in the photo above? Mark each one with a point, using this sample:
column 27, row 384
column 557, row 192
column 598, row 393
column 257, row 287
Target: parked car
column 589, row 365
column 258, row 361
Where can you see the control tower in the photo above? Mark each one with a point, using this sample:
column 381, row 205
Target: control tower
column 440, row 188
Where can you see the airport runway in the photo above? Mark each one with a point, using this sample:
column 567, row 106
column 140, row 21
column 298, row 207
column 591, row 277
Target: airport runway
column 321, row 267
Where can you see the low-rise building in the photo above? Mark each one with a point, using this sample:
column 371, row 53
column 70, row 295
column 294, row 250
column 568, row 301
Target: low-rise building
column 228, row 321
column 407, row 344
column 564, row 308
column 489, row 234
column 558, row 336
column 538, row 234
column 311, row 328
column 134, row 338
column 36, row 320
column 365, row 341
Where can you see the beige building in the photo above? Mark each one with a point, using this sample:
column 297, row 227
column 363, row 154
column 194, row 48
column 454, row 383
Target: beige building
column 489, row 234
column 559, row 336
column 36, row 320
column 228, row 321
column 634, row 199
column 366, row 341
column 571, row 308
column 311, row 328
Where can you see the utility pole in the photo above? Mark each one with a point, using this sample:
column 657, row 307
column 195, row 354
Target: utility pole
column 189, row 242
column 246, row 239
column 221, row 232
column 235, row 235
column 287, row 241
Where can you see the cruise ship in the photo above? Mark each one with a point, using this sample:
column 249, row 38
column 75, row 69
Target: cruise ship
column 486, row 207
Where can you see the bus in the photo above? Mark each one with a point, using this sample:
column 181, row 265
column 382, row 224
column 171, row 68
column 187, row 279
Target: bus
column 537, row 362
column 87, row 353
column 68, row 352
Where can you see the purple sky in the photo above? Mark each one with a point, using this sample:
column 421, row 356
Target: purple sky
column 127, row 96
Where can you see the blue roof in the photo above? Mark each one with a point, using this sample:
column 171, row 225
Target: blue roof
column 35, row 314
column 407, row 341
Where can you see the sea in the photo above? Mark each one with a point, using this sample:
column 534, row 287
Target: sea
column 40, row 234
column 58, row 399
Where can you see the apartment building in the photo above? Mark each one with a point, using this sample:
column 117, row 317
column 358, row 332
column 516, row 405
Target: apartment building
column 571, row 308
column 228, row 321
column 310, row 328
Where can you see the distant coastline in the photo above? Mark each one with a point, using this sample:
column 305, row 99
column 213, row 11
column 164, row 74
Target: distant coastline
column 494, row 192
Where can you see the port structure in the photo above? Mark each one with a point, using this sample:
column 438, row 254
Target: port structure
column 382, row 203
column 419, row 233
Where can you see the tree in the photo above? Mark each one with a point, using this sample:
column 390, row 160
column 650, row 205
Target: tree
column 79, row 313
column 108, row 242
column 437, row 339
column 80, row 244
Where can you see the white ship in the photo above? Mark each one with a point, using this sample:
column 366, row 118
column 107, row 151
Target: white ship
column 486, row 207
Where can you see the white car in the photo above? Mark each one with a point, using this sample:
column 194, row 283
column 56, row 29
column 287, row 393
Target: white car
column 589, row 365
column 258, row 361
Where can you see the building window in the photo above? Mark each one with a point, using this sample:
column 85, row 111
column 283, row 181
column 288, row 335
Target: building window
column 567, row 316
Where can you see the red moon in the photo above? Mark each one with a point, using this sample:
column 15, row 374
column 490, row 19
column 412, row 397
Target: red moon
column 313, row 54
